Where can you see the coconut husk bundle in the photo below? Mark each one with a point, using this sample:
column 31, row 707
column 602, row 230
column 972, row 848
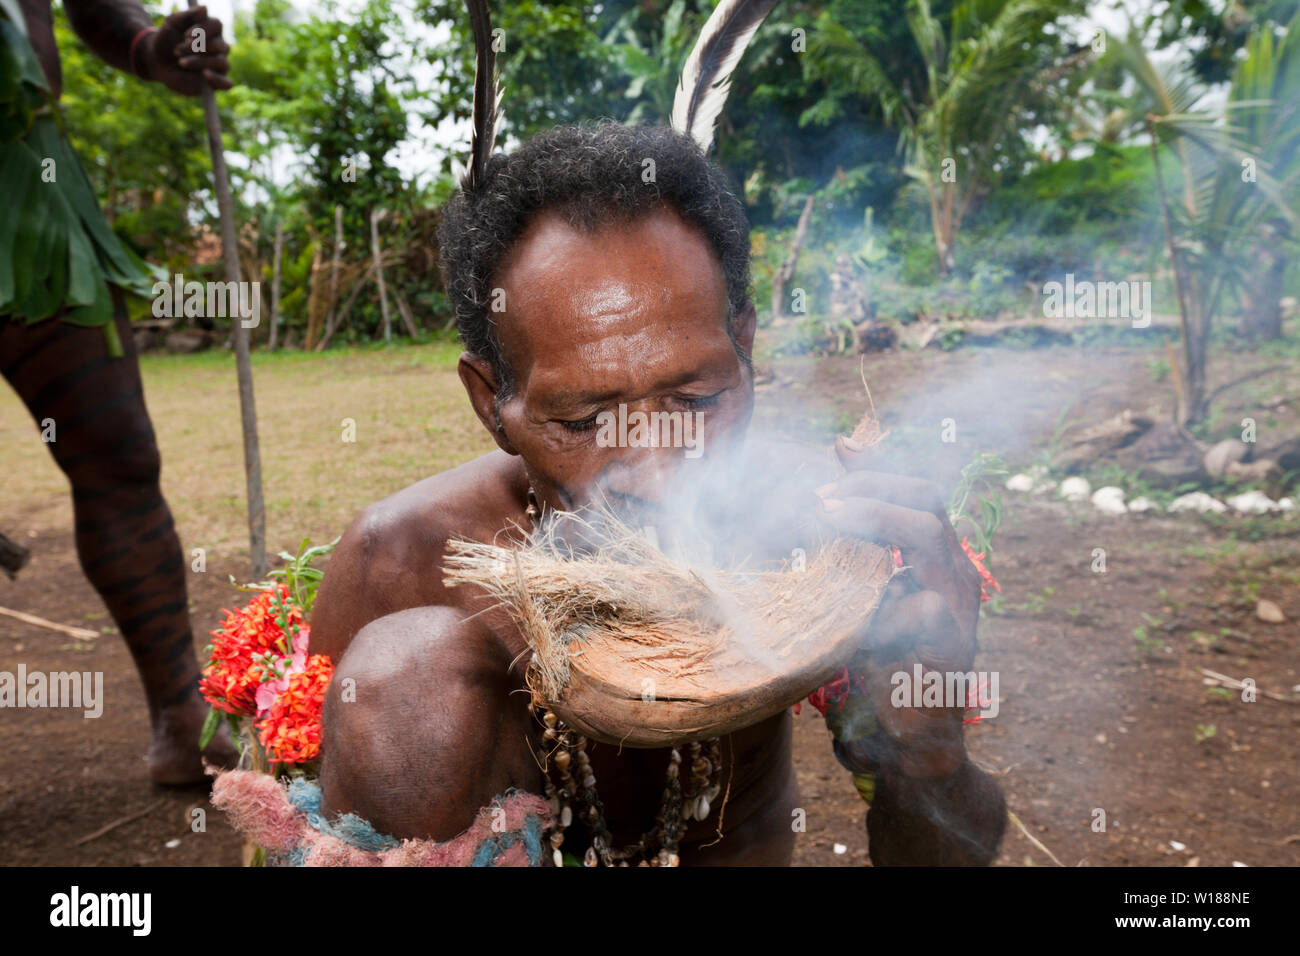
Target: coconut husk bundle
column 635, row 648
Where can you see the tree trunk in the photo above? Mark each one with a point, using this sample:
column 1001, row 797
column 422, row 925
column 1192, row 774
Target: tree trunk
column 1191, row 396
column 375, row 215
column 275, row 283
column 315, row 301
column 1264, row 312
column 786, row 272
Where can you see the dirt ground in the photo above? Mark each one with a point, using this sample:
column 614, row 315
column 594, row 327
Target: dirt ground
column 1103, row 705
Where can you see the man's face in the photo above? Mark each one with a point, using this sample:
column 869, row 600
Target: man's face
column 633, row 315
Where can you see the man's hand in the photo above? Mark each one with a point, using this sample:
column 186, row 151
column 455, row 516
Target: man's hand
column 931, row 806
column 186, row 51
column 928, row 616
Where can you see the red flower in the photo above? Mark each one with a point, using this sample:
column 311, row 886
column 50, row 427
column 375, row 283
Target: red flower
column 235, row 668
column 291, row 731
column 974, row 700
column 832, row 695
column 986, row 579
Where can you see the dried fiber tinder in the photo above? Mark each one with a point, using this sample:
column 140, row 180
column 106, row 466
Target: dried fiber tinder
column 634, row 648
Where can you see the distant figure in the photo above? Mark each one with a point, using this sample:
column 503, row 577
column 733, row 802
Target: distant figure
column 73, row 362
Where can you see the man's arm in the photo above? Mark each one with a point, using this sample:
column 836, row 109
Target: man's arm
column 957, row 821
column 122, row 34
column 932, row 805
column 421, row 728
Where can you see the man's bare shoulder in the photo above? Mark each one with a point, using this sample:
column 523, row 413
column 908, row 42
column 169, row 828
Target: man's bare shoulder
column 450, row 503
column 421, row 725
column 389, row 558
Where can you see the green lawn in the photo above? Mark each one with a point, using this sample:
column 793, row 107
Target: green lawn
column 412, row 420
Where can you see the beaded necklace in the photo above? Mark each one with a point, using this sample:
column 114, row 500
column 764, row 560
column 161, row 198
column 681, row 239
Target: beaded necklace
column 570, row 787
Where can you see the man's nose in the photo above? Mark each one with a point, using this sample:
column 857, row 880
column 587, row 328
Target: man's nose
column 641, row 479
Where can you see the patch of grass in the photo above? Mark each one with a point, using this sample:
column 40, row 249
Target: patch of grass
column 1148, row 644
column 412, row 420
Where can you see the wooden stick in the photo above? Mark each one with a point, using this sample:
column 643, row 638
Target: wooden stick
column 1233, row 684
column 407, row 318
column 786, row 272
column 120, row 821
column 1031, row 838
column 243, row 367
column 81, row 633
column 343, row 312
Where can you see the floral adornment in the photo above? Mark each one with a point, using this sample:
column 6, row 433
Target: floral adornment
column 986, row 577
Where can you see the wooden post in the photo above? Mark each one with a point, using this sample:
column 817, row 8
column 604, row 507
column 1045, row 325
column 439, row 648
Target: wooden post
column 377, row 214
column 343, row 312
column 243, row 367
column 786, row 272
column 334, row 266
column 407, row 318
column 275, row 282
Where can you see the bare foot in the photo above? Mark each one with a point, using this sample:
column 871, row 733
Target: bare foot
column 174, row 758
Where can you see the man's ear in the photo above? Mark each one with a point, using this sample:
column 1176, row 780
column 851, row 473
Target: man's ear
column 743, row 327
column 481, row 386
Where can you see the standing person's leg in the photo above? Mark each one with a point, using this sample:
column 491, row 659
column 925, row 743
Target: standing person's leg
column 104, row 442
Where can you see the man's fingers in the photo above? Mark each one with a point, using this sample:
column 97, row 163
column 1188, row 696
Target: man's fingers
column 218, row 81
column 919, row 534
column 856, row 457
column 215, row 64
column 213, row 47
column 914, row 493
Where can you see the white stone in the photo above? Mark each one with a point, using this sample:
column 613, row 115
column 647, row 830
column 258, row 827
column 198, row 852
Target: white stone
column 1141, row 503
column 1020, row 482
column 1286, row 504
column 840, row 849
column 1075, row 489
column 1197, row 501
column 1043, row 487
column 1252, row 503
column 1180, row 847
column 1109, row 500
column 1268, row 612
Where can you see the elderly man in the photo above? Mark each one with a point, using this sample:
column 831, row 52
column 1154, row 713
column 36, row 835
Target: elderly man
column 582, row 284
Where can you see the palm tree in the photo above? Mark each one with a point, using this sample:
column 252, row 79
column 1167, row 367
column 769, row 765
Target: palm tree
column 1238, row 182
column 980, row 75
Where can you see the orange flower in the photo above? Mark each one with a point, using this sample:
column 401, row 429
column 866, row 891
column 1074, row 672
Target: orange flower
column 235, row 667
column 986, row 578
column 291, row 730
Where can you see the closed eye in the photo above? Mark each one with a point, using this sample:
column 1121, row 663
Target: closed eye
column 581, row 425
column 702, row 401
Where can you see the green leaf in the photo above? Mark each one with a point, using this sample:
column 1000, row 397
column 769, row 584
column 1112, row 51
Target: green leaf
column 209, row 730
